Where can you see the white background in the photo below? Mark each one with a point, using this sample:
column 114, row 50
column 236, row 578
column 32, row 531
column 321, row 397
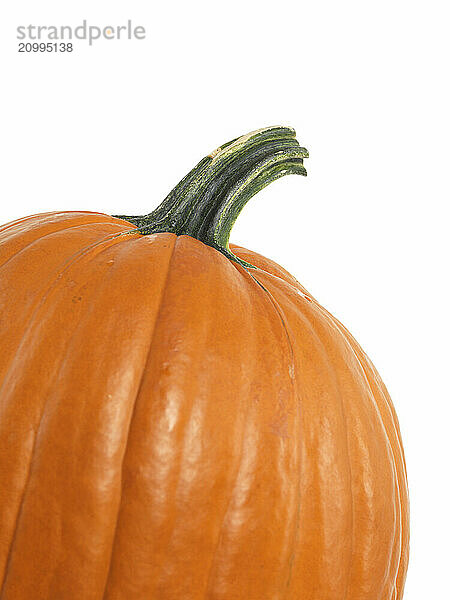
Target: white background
column 114, row 126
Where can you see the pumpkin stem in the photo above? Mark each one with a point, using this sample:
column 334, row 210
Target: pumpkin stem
column 208, row 200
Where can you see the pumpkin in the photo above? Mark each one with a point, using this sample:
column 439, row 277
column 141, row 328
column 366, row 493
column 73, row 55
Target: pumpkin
column 180, row 419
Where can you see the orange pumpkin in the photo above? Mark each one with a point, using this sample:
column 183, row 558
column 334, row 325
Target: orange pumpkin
column 180, row 419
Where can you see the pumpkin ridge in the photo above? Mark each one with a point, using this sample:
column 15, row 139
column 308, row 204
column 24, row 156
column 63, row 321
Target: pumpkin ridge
column 338, row 387
column 366, row 365
column 344, row 420
column 50, row 233
column 360, row 354
column 377, row 379
column 394, row 462
column 38, row 221
column 72, row 260
column 227, row 508
column 391, row 435
column 282, row 318
column 403, row 554
column 398, row 511
column 344, row 333
column 145, row 363
column 21, row 220
column 226, row 556
column 26, row 333
column 381, row 423
column 338, row 384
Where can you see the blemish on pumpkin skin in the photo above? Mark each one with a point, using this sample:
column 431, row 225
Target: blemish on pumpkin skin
column 77, row 299
column 257, row 393
column 279, row 430
column 279, row 427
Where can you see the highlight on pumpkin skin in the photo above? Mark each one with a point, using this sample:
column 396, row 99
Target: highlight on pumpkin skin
column 207, row 201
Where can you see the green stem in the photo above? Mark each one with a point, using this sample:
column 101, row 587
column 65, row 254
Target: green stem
column 208, row 200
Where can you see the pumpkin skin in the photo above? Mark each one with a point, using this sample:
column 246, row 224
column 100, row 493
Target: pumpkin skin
column 176, row 426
